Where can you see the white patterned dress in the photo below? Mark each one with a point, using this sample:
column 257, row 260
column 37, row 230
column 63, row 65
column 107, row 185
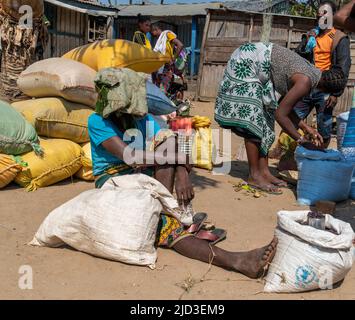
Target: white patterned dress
column 246, row 97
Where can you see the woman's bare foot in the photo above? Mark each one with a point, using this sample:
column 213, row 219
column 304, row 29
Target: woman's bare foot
column 262, row 183
column 275, row 181
column 253, row 263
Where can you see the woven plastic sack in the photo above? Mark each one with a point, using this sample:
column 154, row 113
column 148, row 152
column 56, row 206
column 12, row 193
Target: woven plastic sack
column 348, row 146
column 118, row 54
column 61, row 160
column 158, row 103
column 342, row 121
column 57, row 118
column 322, row 176
column 86, row 172
column 8, row 170
column 17, row 136
column 59, row 77
column 307, row 258
column 202, row 148
column 117, row 222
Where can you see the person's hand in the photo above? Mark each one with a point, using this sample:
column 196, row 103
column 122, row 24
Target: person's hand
column 314, row 136
column 331, row 102
column 183, row 186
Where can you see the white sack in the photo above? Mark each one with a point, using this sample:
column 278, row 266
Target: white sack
column 60, row 77
column 118, row 222
column 307, row 258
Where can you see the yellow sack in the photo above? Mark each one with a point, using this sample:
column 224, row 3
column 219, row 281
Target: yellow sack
column 118, row 54
column 8, row 170
column 203, row 143
column 86, row 172
column 61, row 160
column 57, row 118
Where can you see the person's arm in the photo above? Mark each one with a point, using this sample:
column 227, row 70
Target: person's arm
column 178, row 45
column 183, row 186
column 345, row 17
column 343, row 60
column 134, row 157
column 286, row 117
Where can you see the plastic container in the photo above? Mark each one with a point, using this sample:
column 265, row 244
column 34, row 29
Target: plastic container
column 342, row 121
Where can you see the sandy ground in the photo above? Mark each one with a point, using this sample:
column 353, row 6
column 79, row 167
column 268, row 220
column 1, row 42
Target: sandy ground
column 68, row 274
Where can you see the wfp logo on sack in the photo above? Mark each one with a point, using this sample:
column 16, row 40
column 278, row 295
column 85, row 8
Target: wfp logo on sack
column 305, row 275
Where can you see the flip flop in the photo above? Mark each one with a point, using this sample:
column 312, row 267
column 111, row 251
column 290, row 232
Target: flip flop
column 213, row 236
column 276, row 193
column 282, row 185
column 198, row 220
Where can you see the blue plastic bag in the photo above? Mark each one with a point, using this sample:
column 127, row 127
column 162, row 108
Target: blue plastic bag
column 348, row 145
column 322, row 176
column 158, row 103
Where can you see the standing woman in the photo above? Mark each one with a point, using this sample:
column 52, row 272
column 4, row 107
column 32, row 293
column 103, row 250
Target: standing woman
column 167, row 44
column 258, row 74
column 140, row 36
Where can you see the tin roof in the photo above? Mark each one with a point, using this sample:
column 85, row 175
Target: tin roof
column 86, row 6
column 158, row 10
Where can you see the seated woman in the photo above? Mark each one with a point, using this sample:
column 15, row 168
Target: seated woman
column 116, row 152
column 256, row 76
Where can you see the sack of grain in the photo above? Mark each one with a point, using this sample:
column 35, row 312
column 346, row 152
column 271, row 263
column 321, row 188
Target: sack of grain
column 118, row 54
column 61, row 159
column 322, row 176
column 86, row 172
column 17, row 136
column 307, row 258
column 59, row 77
column 57, row 118
column 8, row 169
column 118, row 222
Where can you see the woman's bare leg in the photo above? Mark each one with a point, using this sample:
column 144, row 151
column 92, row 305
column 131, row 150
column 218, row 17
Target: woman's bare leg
column 250, row 263
column 256, row 176
column 265, row 170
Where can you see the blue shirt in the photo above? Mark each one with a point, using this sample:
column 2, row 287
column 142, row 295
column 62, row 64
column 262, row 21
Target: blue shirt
column 101, row 130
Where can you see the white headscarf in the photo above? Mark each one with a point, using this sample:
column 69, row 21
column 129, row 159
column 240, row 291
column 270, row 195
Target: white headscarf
column 161, row 43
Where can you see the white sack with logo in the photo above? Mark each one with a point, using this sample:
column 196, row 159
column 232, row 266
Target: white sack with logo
column 118, row 222
column 307, row 258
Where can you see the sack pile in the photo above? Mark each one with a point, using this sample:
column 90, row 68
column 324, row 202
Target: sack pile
column 63, row 95
column 44, row 132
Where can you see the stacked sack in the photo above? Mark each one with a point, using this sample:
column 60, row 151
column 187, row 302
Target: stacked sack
column 63, row 96
column 17, row 136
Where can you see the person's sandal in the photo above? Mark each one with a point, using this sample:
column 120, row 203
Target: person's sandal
column 198, row 220
column 214, row 236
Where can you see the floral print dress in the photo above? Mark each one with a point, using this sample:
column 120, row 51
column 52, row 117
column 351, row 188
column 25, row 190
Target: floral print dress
column 246, row 97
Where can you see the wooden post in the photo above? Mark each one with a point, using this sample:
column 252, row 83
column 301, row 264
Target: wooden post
column 289, row 40
column 202, row 54
column 251, row 28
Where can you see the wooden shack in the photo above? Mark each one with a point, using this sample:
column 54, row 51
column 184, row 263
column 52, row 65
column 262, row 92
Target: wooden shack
column 226, row 30
column 73, row 23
